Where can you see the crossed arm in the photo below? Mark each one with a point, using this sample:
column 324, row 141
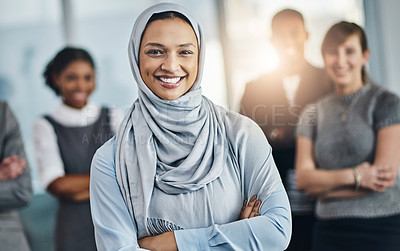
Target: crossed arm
column 15, row 179
column 73, row 187
column 167, row 240
column 327, row 184
column 11, row 167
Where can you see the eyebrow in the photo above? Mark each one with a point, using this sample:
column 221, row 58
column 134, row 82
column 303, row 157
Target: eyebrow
column 163, row 46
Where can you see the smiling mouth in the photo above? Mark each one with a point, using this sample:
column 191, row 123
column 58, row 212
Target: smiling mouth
column 340, row 72
column 170, row 82
column 80, row 96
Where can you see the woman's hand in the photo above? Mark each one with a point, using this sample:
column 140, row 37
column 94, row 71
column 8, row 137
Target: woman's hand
column 251, row 209
column 377, row 177
column 164, row 242
column 11, row 167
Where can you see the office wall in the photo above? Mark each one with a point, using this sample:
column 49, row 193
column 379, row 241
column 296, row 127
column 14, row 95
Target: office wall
column 382, row 21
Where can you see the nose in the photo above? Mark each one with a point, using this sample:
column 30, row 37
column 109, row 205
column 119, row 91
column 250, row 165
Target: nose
column 81, row 84
column 171, row 63
column 341, row 59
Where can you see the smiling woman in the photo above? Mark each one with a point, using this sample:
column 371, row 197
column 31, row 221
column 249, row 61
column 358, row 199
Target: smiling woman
column 75, row 83
column 167, row 67
column 347, row 151
column 183, row 173
column 65, row 142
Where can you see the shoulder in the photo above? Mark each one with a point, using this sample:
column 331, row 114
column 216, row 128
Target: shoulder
column 104, row 158
column 322, row 102
column 261, row 81
column 259, row 91
column 5, row 110
column 241, row 131
column 8, row 119
column 381, row 98
column 381, row 92
column 313, row 110
column 325, row 100
column 385, row 106
column 234, row 121
column 314, row 69
column 42, row 124
column 3, row 105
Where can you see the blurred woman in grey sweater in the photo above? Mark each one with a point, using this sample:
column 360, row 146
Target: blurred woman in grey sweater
column 347, row 151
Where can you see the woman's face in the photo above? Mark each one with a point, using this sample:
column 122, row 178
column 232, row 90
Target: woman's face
column 76, row 82
column 168, row 58
column 344, row 62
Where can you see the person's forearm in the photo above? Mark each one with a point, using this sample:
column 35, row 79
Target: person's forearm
column 165, row 242
column 15, row 193
column 73, row 187
column 317, row 181
column 269, row 231
column 79, row 196
column 3, row 175
column 343, row 194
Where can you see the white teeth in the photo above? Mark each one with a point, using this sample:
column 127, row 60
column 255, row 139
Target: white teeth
column 170, row 80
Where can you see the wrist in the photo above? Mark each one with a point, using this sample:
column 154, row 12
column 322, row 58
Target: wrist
column 357, row 178
column 3, row 174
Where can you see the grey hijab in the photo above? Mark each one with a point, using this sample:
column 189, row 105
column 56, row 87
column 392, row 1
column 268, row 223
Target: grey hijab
column 177, row 146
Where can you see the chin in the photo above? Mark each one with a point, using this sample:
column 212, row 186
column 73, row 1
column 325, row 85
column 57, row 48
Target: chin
column 167, row 96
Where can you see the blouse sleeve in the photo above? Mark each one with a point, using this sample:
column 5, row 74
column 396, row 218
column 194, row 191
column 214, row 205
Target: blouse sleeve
column 50, row 165
column 269, row 231
column 14, row 193
column 387, row 110
column 308, row 122
column 114, row 228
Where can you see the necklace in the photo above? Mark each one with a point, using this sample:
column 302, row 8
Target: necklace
column 347, row 111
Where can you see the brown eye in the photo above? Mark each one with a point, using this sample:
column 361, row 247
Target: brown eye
column 154, row 52
column 349, row 51
column 88, row 78
column 186, row 52
column 71, row 78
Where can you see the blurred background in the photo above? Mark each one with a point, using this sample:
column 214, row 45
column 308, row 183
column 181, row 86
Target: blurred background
column 237, row 51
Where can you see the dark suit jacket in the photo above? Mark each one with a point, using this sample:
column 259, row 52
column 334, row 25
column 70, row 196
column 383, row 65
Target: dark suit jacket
column 14, row 193
column 265, row 102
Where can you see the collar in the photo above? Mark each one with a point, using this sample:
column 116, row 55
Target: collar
column 69, row 116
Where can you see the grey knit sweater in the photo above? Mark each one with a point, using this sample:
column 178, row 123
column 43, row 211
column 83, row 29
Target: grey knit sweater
column 341, row 144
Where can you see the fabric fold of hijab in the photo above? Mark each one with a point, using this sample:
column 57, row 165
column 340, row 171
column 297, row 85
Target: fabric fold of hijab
column 177, row 146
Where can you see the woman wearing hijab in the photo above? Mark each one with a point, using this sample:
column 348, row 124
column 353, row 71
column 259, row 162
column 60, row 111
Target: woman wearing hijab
column 177, row 172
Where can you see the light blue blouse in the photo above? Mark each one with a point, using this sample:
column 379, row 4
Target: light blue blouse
column 206, row 219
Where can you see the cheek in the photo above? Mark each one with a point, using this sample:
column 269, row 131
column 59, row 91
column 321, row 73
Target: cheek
column 327, row 62
column 358, row 61
column 66, row 85
column 147, row 67
column 92, row 85
column 192, row 66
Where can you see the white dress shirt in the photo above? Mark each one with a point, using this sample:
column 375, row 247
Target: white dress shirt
column 291, row 84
